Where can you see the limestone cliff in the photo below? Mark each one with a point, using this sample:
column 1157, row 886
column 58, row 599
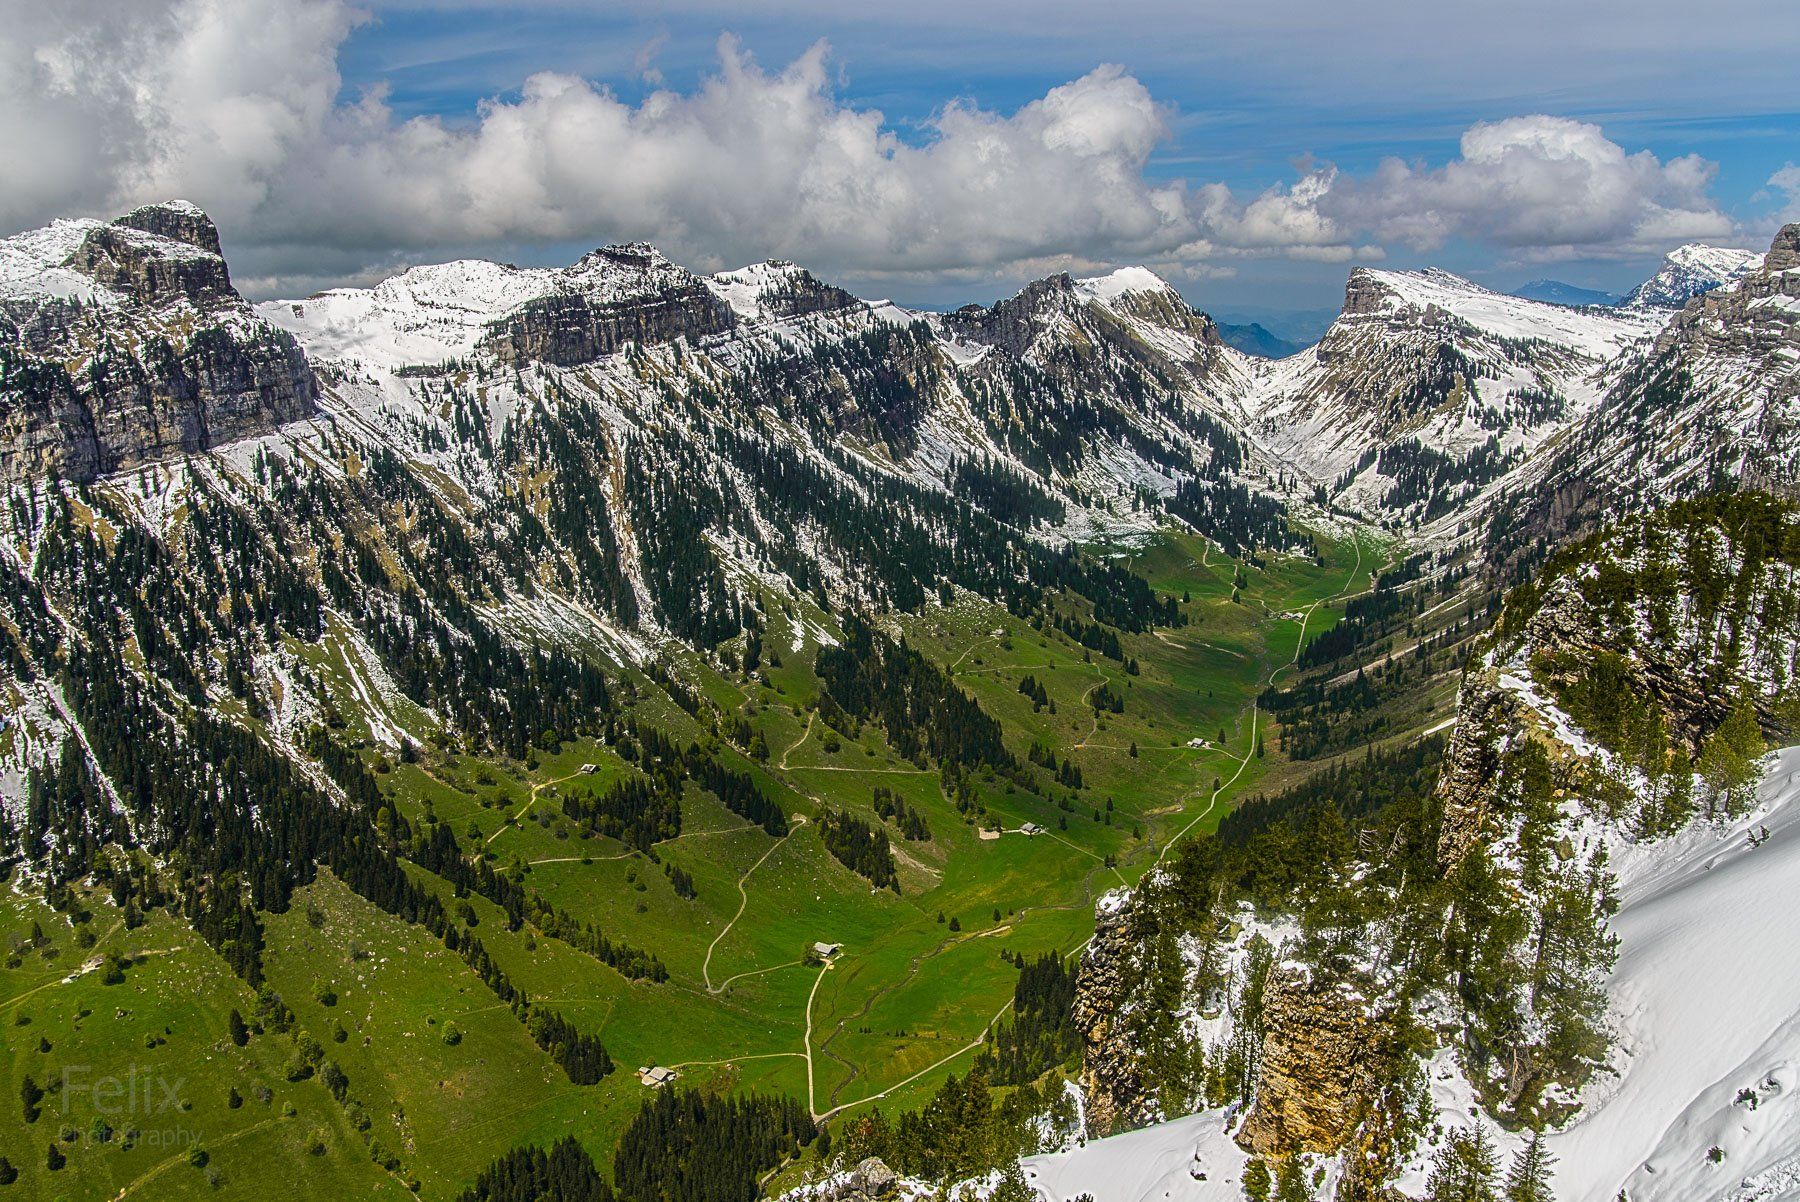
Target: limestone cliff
column 614, row 296
column 1323, row 1062
column 1112, row 1083
column 123, row 344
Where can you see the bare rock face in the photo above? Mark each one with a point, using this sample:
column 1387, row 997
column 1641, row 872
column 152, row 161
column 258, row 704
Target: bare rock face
column 1116, row 1096
column 614, row 296
column 177, row 220
column 1471, row 768
column 869, row 1181
column 1784, row 252
column 1015, row 323
column 1321, row 1067
column 163, row 359
column 1365, row 294
column 134, row 256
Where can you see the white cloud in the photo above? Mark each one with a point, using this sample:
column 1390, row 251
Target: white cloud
column 1787, row 182
column 234, row 103
column 1540, row 184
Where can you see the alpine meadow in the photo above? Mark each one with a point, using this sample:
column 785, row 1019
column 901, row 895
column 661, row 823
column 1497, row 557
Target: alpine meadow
column 624, row 727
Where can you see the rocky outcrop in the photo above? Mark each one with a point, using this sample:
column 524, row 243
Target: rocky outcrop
column 1323, row 1063
column 798, row 293
column 1365, row 295
column 166, row 360
column 1471, row 768
column 614, row 296
column 1116, row 1096
column 177, row 220
column 1014, row 324
column 133, row 256
column 869, row 1181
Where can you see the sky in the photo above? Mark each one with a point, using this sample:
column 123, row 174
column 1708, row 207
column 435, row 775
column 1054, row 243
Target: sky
column 934, row 152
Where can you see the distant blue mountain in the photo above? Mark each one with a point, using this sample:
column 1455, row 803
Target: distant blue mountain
column 1555, row 292
column 1298, row 328
column 1255, row 339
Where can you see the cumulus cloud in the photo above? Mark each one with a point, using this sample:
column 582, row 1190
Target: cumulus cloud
column 1786, row 181
column 236, row 104
column 1541, row 184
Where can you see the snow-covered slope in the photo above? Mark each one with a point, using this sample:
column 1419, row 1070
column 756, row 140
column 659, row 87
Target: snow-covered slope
column 423, row 315
column 1189, row 1159
column 1689, row 271
column 1475, row 378
column 1707, row 990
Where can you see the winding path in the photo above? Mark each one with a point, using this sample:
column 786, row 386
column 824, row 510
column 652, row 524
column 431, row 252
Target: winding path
column 743, row 901
column 529, row 802
column 1212, row 802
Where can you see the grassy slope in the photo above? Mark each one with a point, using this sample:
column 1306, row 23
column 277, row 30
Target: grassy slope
column 899, row 1009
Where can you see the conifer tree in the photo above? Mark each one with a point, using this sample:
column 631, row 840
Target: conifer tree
column 1257, row 1182
column 1464, row 1168
column 1528, row 1177
column 1290, row 1182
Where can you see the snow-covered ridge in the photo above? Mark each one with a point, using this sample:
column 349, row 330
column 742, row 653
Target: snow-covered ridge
column 1687, row 272
column 1599, row 334
column 31, row 265
column 745, row 288
column 423, row 315
column 1123, row 282
column 432, row 313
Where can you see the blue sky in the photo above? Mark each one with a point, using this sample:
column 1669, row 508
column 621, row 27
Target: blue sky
column 1244, row 114
column 1251, row 152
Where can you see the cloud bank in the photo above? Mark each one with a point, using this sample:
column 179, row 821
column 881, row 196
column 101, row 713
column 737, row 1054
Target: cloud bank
column 236, row 104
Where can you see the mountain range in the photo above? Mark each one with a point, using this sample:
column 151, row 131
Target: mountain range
column 311, row 602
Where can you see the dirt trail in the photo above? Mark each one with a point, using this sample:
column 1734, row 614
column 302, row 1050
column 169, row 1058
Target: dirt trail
column 1212, row 802
column 743, row 901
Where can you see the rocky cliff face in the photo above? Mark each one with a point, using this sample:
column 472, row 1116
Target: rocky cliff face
column 1323, row 1062
column 1714, row 401
column 1471, row 767
column 614, row 296
column 1117, row 1096
column 154, row 269
column 134, row 347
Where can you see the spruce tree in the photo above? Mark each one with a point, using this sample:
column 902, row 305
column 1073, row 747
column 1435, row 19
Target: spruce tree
column 1464, row 1168
column 1290, row 1182
column 1257, row 1183
column 1728, row 762
column 1528, row 1177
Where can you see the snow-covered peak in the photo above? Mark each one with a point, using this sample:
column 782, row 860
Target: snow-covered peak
column 623, row 271
column 776, row 288
column 1123, row 282
column 31, row 264
column 423, row 315
column 1596, row 334
column 1689, row 271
